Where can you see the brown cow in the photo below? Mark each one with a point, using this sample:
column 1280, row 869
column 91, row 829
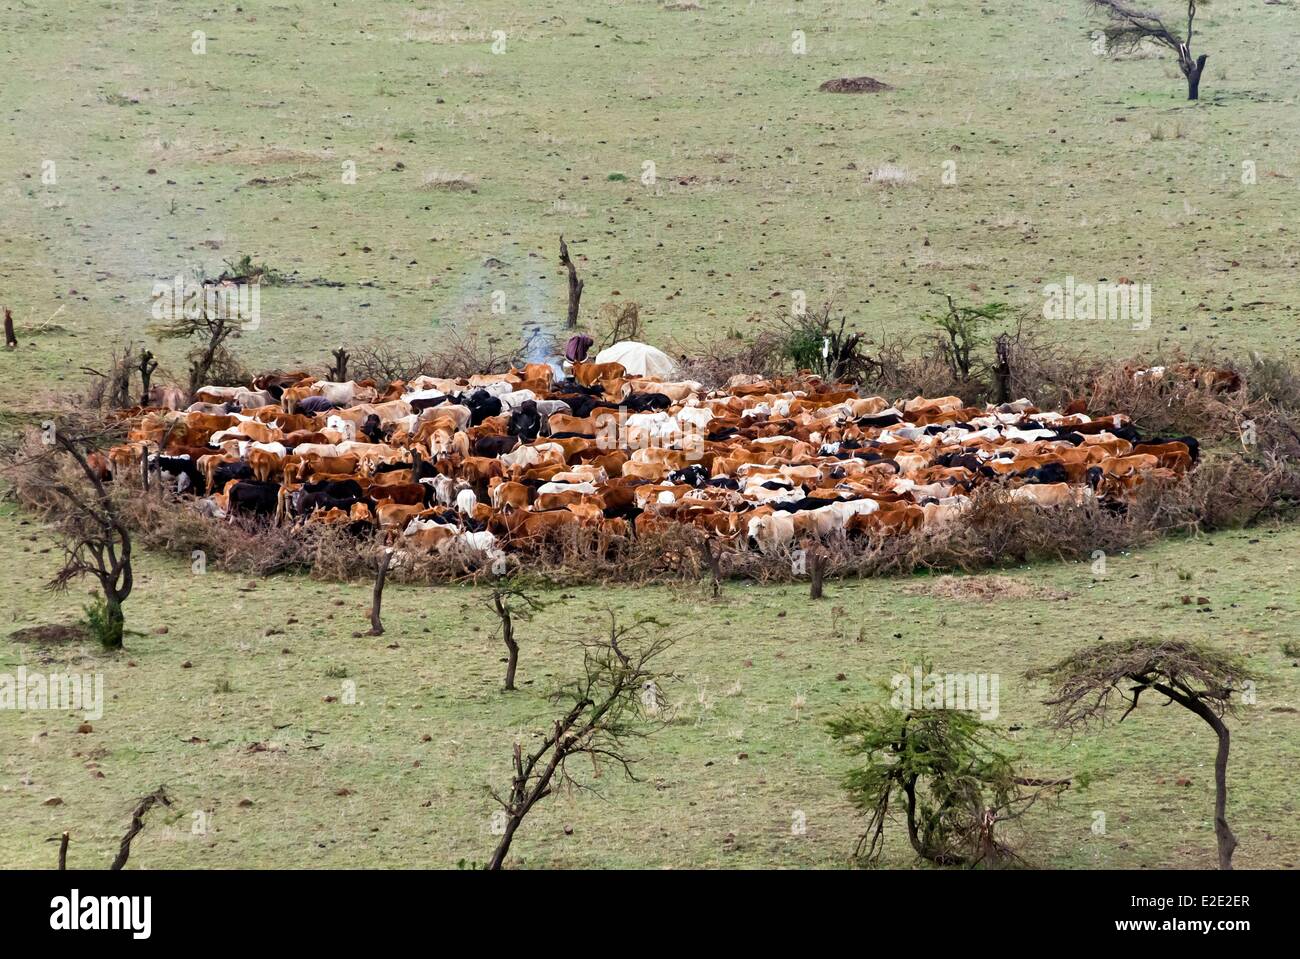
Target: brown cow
column 506, row 495
column 589, row 373
column 406, row 494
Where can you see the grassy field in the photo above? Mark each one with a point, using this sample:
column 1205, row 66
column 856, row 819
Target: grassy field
column 1066, row 164
column 720, row 784
column 127, row 158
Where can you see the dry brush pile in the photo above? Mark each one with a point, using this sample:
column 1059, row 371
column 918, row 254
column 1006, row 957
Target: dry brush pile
column 1248, row 475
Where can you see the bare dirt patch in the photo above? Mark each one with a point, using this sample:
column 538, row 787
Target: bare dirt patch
column 983, row 589
column 260, row 156
column 444, row 180
column 855, row 85
column 52, row 634
column 304, row 177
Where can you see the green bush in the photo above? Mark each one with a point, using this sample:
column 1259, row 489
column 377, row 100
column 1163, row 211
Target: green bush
column 105, row 622
column 940, row 766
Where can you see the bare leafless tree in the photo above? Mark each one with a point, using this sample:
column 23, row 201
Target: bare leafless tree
column 575, row 284
column 148, row 365
column 377, row 594
column 210, row 327
column 617, row 692
column 112, row 388
column 1086, row 689
column 511, row 602
column 618, row 322
column 338, row 373
column 1128, row 27
column 156, row 798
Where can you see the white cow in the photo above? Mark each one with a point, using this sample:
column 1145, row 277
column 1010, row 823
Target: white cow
column 771, row 531
column 346, row 428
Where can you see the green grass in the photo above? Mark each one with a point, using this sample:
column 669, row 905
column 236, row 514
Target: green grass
column 167, row 161
column 761, row 180
column 740, row 665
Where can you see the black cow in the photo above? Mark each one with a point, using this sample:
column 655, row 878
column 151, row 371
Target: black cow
column 581, row 405
column 803, row 503
column 956, row 460
column 175, row 467
column 494, row 446
column 883, row 419
column 1047, row 473
column 695, row 476
column 371, row 429
column 571, row 385
column 525, row 422
column 428, row 403
column 225, row 472
column 1192, row 444
column 253, row 496
column 304, row 502
column 645, row 402
column 348, row 489
column 482, row 405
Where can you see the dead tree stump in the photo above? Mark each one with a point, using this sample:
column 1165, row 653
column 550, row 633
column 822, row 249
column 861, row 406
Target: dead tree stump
column 377, row 597
column 816, row 572
column 1002, row 370
column 339, row 371
column 147, row 366
column 575, row 284
column 137, row 824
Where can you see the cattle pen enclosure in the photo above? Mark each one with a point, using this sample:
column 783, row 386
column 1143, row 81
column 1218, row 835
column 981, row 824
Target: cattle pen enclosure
column 1001, row 348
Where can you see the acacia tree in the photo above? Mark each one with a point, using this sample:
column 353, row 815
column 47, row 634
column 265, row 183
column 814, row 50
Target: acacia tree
column 961, row 334
column 955, row 786
column 616, row 692
column 96, row 542
column 816, row 340
column 1127, row 28
column 1086, row 689
column 210, row 327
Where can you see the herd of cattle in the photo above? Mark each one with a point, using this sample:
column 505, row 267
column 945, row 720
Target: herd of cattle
column 497, row 462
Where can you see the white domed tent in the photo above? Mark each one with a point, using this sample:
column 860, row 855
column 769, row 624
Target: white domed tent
column 639, row 359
